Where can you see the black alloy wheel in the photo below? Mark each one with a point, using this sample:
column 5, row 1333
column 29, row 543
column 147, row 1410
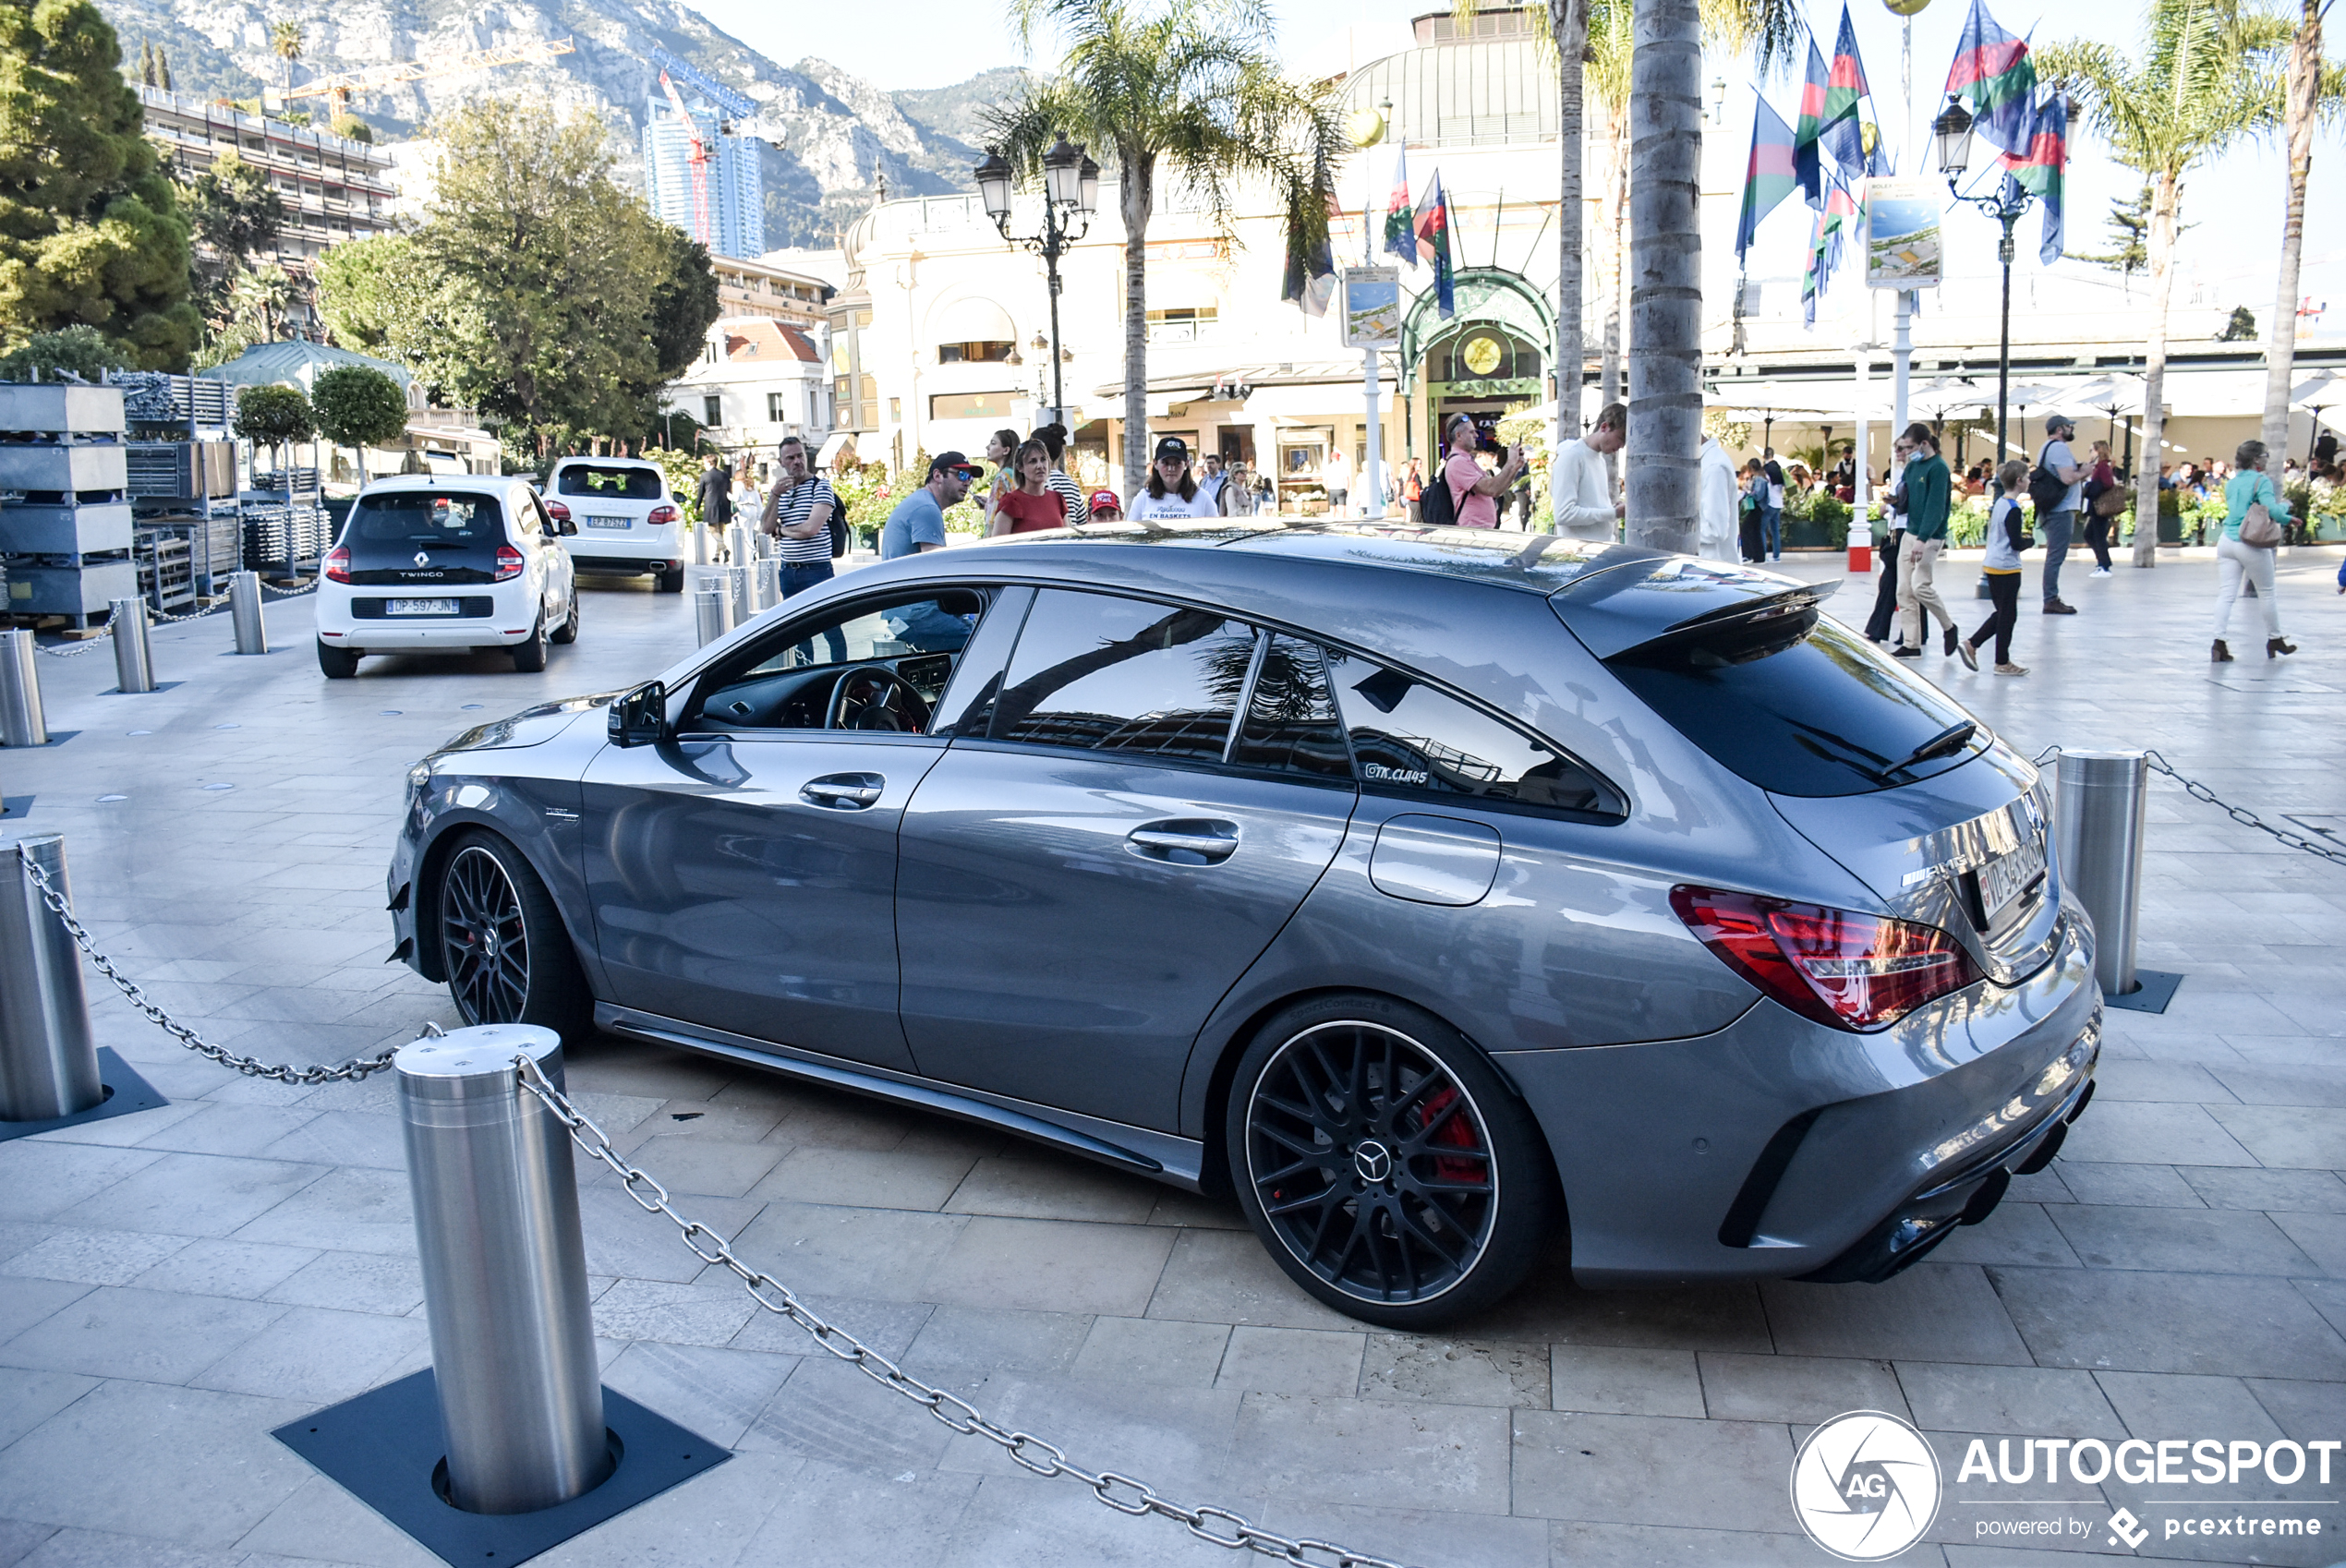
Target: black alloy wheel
column 568, row 630
column 502, row 945
column 339, row 663
column 1384, row 1165
column 529, row 656
column 669, row 582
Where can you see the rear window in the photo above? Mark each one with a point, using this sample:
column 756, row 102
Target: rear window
column 1799, row 706
column 608, row 482
column 446, row 518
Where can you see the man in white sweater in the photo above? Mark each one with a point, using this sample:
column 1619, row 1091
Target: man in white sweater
column 1716, row 540
column 1581, row 488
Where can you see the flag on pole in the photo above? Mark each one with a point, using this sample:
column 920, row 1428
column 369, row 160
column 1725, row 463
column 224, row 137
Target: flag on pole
column 1399, row 236
column 1809, row 121
column 2038, row 168
column 1839, row 130
column 1433, row 228
column 1837, row 218
column 1993, row 68
column 1768, row 178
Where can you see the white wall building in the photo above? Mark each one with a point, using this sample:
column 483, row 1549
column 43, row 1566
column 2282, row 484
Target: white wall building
column 759, row 380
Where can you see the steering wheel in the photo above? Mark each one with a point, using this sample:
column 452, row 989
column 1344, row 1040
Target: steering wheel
column 873, row 696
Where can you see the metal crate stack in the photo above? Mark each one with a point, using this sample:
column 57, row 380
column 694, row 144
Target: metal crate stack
column 288, row 530
column 183, row 470
column 166, row 576
column 65, row 502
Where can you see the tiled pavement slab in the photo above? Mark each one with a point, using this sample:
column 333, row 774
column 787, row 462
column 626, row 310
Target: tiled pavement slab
column 174, row 1283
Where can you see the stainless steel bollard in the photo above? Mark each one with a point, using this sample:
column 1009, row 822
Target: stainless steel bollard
column 713, row 608
column 21, row 720
column 134, row 656
column 2098, row 824
column 48, row 1063
column 768, row 591
column 244, row 610
column 700, row 543
column 738, row 579
column 736, row 544
column 513, row 1340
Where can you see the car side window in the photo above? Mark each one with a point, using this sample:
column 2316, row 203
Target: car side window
column 526, row 516
column 1103, row 673
column 1291, row 724
column 1409, row 738
column 875, row 665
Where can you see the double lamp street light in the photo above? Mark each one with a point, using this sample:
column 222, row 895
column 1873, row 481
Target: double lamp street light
column 1071, row 198
column 1951, row 133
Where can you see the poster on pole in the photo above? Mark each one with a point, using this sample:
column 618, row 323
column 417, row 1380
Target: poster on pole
column 1902, row 233
column 1372, row 307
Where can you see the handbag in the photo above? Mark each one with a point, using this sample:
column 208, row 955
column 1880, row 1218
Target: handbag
column 2257, row 529
column 2110, row 502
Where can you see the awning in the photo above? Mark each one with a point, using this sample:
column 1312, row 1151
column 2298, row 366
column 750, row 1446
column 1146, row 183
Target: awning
column 837, row 443
column 973, row 318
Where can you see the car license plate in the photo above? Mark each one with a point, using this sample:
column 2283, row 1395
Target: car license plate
column 2007, row 878
column 608, row 521
column 423, row 606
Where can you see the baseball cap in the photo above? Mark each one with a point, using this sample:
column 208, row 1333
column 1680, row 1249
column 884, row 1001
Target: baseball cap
column 1104, row 500
column 2055, row 421
column 1172, row 446
column 954, row 462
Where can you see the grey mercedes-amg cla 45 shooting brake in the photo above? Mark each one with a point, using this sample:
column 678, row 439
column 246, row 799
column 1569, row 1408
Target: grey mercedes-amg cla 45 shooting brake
column 1437, row 893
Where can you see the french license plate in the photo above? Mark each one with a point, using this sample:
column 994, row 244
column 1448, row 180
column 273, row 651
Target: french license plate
column 421, row 607
column 608, row 521
column 2007, row 878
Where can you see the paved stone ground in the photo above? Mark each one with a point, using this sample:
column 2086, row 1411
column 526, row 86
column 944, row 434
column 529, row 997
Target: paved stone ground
column 174, row 1283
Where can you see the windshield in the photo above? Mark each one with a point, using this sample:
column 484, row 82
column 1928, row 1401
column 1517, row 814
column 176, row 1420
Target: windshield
column 1798, row 710
column 443, row 518
column 608, row 481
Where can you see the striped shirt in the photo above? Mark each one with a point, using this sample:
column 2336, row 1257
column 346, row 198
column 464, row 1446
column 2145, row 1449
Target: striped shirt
column 792, row 508
column 1059, row 485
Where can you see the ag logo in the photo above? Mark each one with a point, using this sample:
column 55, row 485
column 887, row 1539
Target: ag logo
column 1864, row 1486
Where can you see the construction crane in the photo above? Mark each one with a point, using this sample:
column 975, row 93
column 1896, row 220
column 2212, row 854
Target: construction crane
column 696, row 156
column 377, row 78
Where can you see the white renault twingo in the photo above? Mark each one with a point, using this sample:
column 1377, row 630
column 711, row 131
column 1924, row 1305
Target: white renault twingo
column 429, row 563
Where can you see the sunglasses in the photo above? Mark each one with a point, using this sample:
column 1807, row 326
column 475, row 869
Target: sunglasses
column 962, row 471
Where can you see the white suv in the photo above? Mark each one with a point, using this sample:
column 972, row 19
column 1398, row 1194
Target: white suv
column 627, row 521
column 429, row 562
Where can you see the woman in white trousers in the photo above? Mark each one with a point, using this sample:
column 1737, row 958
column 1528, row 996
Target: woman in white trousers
column 2234, row 556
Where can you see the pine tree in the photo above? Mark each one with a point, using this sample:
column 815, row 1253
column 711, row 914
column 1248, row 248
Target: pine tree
column 163, row 69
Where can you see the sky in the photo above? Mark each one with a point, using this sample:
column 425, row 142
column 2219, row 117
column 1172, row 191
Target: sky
column 2237, row 195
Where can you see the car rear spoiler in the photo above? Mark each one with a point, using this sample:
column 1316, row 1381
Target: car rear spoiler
column 1666, row 607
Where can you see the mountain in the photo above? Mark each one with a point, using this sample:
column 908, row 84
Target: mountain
column 955, row 111
column 838, row 133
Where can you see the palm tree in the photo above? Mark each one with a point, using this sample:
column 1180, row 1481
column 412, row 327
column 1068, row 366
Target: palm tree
column 1666, row 245
column 2201, row 79
column 284, row 42
column 1192, row 85
column 2309, row 85
column 1605, row 70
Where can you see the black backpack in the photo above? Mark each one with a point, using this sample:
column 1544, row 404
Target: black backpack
column 2046, row 489
column 1437, row 508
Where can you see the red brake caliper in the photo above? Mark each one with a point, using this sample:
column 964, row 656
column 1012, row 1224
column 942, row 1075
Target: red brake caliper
column 1456, row 1133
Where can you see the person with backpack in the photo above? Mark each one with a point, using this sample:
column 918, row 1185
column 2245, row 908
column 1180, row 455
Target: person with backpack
column 1926, row 491
column 2056, row 490
column 2254, row 520
column 1468, row 496
column 2105, row 498
column 2008, row 534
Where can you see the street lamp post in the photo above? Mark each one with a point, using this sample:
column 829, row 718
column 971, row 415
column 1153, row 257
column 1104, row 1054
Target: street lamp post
column 1070, row 196
column 1952, row 132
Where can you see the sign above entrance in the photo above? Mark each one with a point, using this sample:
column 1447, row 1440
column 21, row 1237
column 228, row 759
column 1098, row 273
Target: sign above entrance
column 1372, row 307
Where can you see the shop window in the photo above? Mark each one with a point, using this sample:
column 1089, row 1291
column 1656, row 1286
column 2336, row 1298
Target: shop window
column 988, row 351
column 968, row 406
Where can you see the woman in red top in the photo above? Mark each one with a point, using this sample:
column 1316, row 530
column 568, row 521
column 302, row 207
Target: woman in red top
column 1034, row 506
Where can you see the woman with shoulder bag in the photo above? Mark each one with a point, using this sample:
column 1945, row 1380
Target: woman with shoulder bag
column 2104, row 500
column 2255, row 517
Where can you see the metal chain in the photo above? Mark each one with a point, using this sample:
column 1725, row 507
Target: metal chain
column 352, row 1071
column 88, row 645
column 2240, row 815
column 309, row 587
column 2243, row 815
column 1028, row 1452
column 164, row 618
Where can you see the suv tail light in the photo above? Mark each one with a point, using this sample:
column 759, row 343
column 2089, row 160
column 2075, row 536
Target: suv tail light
column 338, row 565
column 1851, row 970
column 660, row 515
column 558, row 512
column 509, row 563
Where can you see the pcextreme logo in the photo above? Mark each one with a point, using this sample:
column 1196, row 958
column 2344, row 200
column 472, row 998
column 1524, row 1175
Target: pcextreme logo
column 1864, row 1486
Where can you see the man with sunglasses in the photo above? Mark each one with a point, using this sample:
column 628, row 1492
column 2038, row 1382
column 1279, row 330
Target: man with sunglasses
column 918, row 522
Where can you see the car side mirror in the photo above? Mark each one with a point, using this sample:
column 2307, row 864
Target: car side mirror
column 566, row 526
column 640, row 717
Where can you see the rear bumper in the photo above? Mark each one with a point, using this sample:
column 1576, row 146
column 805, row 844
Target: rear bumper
column 1776, row 1147
column 376, row 636
column 624, row 564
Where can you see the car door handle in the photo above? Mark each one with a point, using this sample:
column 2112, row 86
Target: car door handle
column 843, row 792
column 1185, row 843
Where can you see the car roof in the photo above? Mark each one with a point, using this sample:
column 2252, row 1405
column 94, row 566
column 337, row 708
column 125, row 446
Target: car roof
column 499, row 482
column 1539, row 563
column 610, row 462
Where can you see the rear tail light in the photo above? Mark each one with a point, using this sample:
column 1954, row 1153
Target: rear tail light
column 660, row 515
column 1840, row 968
column 338, row 565
column 558, row 512
column 509, row 563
